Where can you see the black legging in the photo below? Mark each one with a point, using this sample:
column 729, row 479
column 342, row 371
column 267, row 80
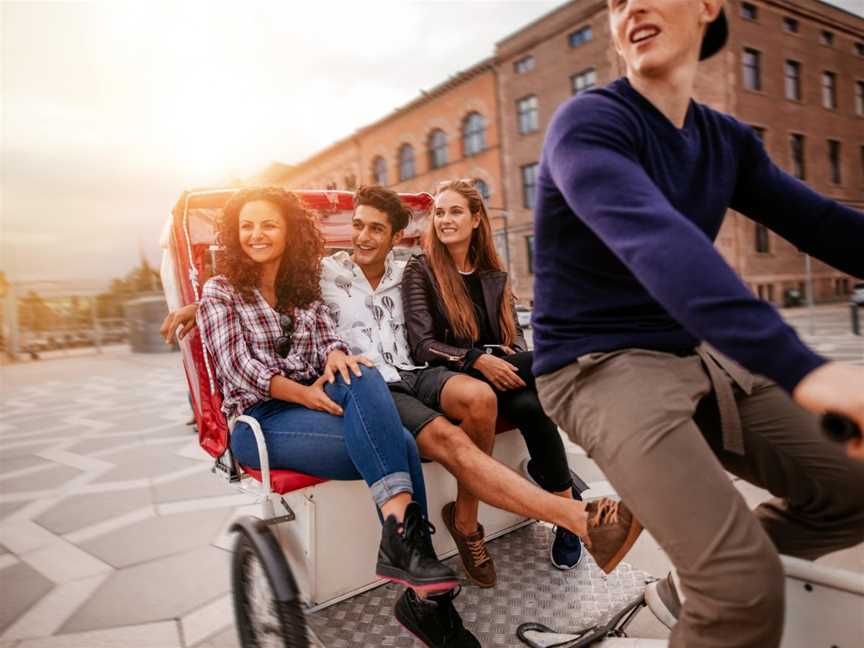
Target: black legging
column 522, row 408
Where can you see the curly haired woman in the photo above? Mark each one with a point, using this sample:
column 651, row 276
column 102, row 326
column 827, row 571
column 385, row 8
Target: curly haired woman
column 279, row 360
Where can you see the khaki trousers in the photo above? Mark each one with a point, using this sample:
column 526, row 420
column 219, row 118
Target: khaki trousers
column 650, row 421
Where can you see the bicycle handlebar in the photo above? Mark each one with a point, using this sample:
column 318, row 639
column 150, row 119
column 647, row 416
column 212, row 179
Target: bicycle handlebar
column 840, row 428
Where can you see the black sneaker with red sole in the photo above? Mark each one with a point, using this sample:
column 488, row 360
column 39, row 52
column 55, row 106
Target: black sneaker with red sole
column 406, row 556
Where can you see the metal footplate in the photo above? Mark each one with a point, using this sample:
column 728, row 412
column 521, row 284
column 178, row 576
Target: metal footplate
column 529, row 588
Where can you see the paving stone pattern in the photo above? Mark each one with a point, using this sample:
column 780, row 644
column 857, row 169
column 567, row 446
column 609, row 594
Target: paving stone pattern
column 112, row 529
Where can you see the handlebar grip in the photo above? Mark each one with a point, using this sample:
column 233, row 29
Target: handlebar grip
column 840, row 428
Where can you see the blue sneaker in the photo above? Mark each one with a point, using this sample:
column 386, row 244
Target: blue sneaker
column 566, row 550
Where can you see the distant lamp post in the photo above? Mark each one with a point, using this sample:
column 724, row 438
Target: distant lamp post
column 501, row 235
column 808, row 274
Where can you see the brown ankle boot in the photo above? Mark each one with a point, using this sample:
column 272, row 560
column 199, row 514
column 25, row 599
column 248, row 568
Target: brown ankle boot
column 612, row 531
column 472, row 549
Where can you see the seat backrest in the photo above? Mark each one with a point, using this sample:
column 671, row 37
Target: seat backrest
column 193, row 248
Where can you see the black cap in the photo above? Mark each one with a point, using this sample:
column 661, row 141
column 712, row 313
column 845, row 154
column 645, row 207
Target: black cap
column 715, row 36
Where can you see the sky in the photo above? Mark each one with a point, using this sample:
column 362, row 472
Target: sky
column 110, row 109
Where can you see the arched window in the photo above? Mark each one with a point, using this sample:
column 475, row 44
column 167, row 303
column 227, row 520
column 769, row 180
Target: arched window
column 483, row 188
column 473, row 134
column 437, row 149
column 379, row 171
column 406, row 162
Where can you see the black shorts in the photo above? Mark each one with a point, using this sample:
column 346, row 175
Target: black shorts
column 418, row 396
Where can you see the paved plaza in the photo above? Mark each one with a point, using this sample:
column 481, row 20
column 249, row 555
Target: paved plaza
column 113, row 532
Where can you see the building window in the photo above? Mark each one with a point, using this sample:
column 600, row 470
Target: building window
column 762, row 238
column 790, row 25
column 826, row 37
column 528, row 114
column 752, row 69
column 834, row 162
column 473, row 134
column 749, row 11
column 766, row 292
column 379, row 171
column 529, row 252
column 529, row 185
column 580, row 36
column 332, row 186
column 796, row 150
column 406, row 162
column 437, row 149
column 350, row 182
column 524, row 64
column 841, row 287
column 861, row 156
column 583, row 81
column 792, row 72
column 859, row 98
column 829, row 90
column 483, row 188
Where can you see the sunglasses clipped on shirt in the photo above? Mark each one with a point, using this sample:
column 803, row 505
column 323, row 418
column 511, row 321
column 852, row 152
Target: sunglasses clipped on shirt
column 283, row 342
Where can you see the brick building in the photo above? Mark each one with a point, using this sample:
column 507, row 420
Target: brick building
column 794, row 69
column 450, row 131
column 569, row 50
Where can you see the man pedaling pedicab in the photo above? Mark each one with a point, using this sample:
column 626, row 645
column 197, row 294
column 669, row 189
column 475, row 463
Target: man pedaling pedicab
column 372, row 276
column 634, row 181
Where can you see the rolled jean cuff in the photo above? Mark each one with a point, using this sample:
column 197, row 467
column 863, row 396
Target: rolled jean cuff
column 389, row 486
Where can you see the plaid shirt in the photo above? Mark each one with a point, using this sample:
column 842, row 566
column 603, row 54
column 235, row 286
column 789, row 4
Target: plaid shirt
column 241, row 335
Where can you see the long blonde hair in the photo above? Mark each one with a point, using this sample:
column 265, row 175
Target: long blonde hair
column 482, row 256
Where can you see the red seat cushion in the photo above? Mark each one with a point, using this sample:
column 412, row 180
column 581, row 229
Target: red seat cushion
column 285, row 481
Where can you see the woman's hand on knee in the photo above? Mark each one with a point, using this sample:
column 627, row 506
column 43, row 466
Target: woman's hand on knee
column 315, row 398
column 500, row 373
column 344, row 364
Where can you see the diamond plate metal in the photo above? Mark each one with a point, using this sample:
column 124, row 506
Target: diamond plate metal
column 529, row 589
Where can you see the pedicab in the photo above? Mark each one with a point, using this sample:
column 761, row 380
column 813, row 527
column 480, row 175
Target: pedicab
column 292, row 554
column 289, row 559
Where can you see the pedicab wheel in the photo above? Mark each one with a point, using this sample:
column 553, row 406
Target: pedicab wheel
column 262, row 620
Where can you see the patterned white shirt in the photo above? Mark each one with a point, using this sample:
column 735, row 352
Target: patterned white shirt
column 371, row 322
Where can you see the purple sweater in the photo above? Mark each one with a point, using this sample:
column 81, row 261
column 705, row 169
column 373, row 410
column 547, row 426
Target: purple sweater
column 628, row 207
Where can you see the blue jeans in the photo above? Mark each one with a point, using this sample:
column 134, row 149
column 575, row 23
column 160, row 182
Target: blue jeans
column 367, row 442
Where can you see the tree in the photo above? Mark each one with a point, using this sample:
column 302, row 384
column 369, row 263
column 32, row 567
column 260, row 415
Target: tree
column 35, row 315
column 140, row 280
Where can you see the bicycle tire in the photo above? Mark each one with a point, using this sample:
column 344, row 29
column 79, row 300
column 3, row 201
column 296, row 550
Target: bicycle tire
column 287, row 624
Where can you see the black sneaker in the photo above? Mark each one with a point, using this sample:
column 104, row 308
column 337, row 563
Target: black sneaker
column 405, row 554
column 434, row 621
column 565, row 551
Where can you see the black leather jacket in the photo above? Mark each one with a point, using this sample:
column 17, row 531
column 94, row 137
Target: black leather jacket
column 431, row 337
